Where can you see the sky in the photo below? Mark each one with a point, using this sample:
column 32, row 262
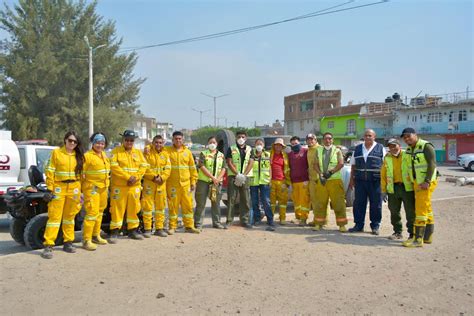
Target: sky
column 403, row 46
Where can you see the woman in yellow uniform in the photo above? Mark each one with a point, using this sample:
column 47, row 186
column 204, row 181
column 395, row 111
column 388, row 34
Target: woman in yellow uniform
column 95, row 186
column 63, row 172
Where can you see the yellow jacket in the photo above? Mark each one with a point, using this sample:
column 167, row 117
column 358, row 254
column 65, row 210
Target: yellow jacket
column 96, row 170
column 125, row 164
column 60, row 167
column 158, row 164
column 313, row 175
column 183, row 168
column 397, row 171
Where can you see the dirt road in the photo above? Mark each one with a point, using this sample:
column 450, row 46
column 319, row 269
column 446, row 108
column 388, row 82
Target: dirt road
column 290, row 271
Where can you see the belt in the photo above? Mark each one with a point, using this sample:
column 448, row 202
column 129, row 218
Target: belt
column 69, row 181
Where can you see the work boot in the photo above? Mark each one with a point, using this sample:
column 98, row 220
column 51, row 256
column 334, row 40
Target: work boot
column 171, row 231
column 395, row 236
column 302, row 223
column 356, row 229
column 317, row 227
column 133, row 234
column 47, row 252
column 198, row 227
column 89, row 245
column 375, row 231
column 218, row 226
column 417, row 240
column 270, row 228
column 428, row 238
column 161, row 233
column 69, row 248
column 99, row 240
column 114, row 235
column 343, row 229
column 192, row 230
column 147, row 234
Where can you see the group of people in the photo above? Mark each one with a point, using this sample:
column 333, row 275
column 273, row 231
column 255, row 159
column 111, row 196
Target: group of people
column 160, row 177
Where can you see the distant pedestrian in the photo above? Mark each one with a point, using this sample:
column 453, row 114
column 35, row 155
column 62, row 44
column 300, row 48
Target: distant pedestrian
column 366, row 163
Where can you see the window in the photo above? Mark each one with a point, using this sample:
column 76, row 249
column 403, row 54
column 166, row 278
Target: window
column 435, row 117
column 291, row 108
column 458, row 116
column 351, row 126
column 331, row 124
column 414, row 118
column 22, row 158
column 42, row 156
column 306, row 106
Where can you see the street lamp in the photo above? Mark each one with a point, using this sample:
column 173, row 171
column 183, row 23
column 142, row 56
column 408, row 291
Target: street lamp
column 91, row 85
column 200, row 115
column 215, row 97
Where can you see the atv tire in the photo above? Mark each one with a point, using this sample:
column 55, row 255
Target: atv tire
column 17, row 229
column 34, row 232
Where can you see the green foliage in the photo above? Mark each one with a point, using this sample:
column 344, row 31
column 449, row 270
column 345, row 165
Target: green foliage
column 201, row 135
column 44, row 71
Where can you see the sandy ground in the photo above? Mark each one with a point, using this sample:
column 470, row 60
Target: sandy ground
column 239, row 271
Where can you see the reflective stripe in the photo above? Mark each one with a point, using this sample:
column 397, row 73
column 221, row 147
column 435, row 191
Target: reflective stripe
column 53, row 224
column 187, row 215
column 371, row 170
column 101, row 171
column 282, row 206
column 66, row 222
column 162, row 212
column 113, row 163
column 130, row 169
column 65, row 173
column 305, row 209
column 147, row 213
column 181, row 167
column 90, row 218
column 173, row 216
column 116, row 223
column 297, row 207
column 421, row 218
column 129, row 220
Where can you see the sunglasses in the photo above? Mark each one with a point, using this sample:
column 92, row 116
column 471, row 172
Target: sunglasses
column 72, row 141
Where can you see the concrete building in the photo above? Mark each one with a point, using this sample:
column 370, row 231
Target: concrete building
column 275, row 129
column 164, row 129
column 344, row 123
column 302, row 110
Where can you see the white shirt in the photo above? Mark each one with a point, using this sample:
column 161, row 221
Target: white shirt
column 365, row 152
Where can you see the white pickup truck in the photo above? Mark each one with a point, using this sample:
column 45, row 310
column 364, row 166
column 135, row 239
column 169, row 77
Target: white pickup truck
column 15, row 161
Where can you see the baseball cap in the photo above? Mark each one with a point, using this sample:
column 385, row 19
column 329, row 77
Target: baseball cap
column 129, row 133
column 408, row 130
column 310, row 135
column 393, row 141
column 279, row 141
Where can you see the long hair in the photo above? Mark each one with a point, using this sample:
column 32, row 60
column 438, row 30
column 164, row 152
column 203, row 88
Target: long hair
column 79, row 152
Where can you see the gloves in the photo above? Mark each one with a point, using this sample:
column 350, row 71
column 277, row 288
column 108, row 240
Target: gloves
column 240, row 180
column 323, row 180
column 327, row 175
column 385, row 197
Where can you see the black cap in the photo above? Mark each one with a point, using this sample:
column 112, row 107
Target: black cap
column 408, row 130
column 129, row 133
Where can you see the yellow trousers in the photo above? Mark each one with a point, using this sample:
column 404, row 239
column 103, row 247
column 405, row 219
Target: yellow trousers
column 312, row 195
column 334, row 190
column 300, row 198
column 180, row 196
column 153, row 202
column 279, row 196
column 423, row 208
column 62, row 209
column 95, row 202
column 124, row 199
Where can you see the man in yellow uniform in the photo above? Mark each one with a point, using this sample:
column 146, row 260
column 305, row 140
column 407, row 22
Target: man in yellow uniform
column 328, row 165
column 313, row 145
column 423, row 174
column 181, row 184
column 128, row 167
column 154, row 186
column 397, row 188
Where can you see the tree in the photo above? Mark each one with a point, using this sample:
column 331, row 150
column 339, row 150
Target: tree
column 44, row 71
column 201, row 135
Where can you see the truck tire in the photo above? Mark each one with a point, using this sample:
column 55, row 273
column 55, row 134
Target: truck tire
column 34, row 232
column 470, row 167
column 225, row 138
column 350, row 195
column 17, row 229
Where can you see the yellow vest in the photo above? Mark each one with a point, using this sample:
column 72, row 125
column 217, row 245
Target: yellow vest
column 209, row 159
column 261, row 170
column 419, row 161
column 405, row 172
column 236, row 159
column 333, row 162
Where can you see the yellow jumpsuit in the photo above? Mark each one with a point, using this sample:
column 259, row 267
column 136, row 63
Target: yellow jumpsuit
column 154, row 195
column 313, row 177
column 66, row 187
column 95, row 187
column 178, row 186
column 125, row 164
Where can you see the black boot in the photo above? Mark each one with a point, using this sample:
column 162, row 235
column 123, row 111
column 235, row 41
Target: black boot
column 114, row 234
column 133, row 234
column 428, row 238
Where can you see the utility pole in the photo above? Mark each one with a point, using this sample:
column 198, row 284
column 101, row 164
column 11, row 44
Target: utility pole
column 200, row 115
column 215, row 106
column 91, row 86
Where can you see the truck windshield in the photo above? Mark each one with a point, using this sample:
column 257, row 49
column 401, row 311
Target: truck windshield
column 42, row 156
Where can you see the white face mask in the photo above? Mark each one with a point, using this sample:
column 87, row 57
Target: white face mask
column 259, row 148
column 212, row 146
column 327, row 147
column 241, row 141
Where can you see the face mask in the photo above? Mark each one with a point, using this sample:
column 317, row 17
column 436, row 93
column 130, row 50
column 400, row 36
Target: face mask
column 327, row 147
column 241, row 141
column 259, row 148
column 212, row 146
column 296, row 148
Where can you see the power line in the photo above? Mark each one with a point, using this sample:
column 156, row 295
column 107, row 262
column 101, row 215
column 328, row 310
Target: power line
column 327, row 11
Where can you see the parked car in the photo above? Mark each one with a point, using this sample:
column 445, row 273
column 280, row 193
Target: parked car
column 466, row 161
